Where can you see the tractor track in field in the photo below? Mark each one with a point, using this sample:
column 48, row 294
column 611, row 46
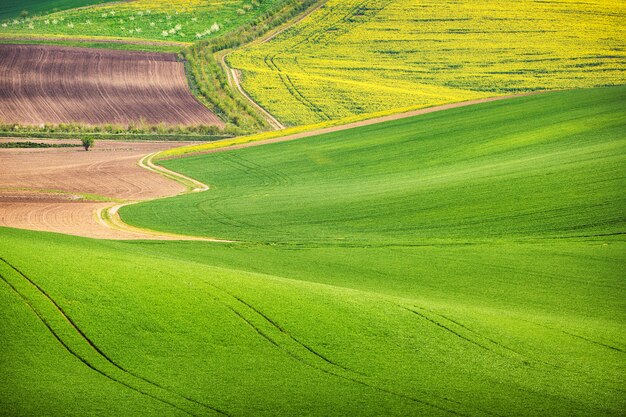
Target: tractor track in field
column 306, row 355
column 133, row 380
column 448, row 329
column 421, row 312
column 251, row 315
column 586, row 339
column 98, row 361
column 289, row 335
column 523, row 358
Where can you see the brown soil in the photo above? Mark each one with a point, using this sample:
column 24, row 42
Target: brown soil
column 41, row 189
column 52, row 84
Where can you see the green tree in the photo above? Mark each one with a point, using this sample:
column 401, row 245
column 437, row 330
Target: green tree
column 87, row 142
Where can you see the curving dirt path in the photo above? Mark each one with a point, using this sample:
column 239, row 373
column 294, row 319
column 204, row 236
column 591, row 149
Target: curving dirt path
column 234, row 75
column 68, row 190
column 234, row 79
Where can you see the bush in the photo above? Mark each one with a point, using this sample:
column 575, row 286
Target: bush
column 87, row 142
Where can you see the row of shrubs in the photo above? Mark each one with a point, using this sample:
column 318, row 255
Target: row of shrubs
column 133, row 128
column 26, row 144
column 208, row 79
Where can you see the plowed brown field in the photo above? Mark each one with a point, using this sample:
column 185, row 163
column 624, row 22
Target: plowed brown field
column 51, row 84
column 40, row 189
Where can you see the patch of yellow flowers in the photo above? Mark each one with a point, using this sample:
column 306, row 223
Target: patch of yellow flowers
column 354, row 57
column 164, row 6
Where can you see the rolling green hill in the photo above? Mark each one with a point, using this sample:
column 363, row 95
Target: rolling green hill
column 535, row 167
column 468, row 262
column 481, row 330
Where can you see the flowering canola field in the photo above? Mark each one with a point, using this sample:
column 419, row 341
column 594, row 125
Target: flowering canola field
column 354, row 57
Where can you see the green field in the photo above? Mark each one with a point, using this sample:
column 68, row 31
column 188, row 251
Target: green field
column 467, row 262
column 174, row 21
column 515, row 169
column 29, row 8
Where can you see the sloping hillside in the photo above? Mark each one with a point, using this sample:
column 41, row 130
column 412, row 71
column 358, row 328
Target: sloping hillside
column 360, row 56
column 467, row 262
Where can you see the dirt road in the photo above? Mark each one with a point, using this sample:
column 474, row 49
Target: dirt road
column 234, row 75
column 353, row 125
column 48, row 189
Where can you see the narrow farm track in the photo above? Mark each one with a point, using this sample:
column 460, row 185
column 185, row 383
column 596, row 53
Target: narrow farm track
column 234, row 75
column 78, row 344
column 39, row 187
column 68, row 190
column 215, row 146
column 51, row 84
column 109, row 217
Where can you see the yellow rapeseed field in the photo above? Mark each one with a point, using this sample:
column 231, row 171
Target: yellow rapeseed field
column 170, row 5
column 354, row 57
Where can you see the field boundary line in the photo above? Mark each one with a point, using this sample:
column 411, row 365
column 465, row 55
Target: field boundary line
column 109, row 216
column 87, row 39
column 249, row 141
